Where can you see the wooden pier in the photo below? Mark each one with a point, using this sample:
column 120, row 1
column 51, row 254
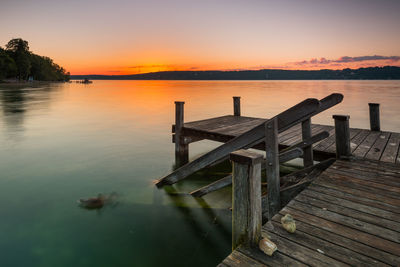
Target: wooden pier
column 349, row 215
column 346, row 207
column 369, row 144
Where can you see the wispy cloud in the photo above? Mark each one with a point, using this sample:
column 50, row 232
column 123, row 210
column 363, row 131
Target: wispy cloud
column 347, row 59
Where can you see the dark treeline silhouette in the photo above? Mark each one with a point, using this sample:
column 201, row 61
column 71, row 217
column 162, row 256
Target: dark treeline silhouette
column 17, row 62
column 374, row 73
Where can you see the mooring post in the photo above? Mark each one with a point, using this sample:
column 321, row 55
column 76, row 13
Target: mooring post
column 308, row 159
column 181, row 148
column 236, row 105
column 272, row 167
column 342, row 131
column 246, row 198
column 374, row 119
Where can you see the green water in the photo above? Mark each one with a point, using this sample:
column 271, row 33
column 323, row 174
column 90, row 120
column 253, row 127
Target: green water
column 61, row 142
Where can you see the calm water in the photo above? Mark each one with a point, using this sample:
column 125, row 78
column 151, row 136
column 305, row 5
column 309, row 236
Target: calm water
column 61, row 142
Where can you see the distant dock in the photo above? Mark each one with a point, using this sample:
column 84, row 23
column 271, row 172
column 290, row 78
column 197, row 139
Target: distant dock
column 346, row 208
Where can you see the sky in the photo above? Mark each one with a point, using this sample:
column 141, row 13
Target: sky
column 129, row 36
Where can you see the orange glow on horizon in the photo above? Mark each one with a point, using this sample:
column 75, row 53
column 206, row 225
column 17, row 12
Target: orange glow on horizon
column 149, row 68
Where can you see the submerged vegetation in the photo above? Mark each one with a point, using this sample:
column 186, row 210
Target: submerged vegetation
column 17, row 62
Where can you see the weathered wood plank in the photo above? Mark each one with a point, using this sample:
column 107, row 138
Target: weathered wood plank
column 237, row 258
column 358, row 139
column 221, row 183
column 380, row 167
column 378, row 147
column 365, row 238
column 308, row 159
column 366, row 145
column 351, row 222
column 277, row 259
column 355, row 248
column 301, row 253
column 324, row 144
column 392, row 148
column 381, row 190
column 365, row 174
column 329, row 249
column 394, row 227
column 353, row 195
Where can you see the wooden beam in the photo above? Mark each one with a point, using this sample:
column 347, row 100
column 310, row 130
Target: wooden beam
column 236, row 105
column 181, row 149
column 374, row 119
column 246, row 210
column 342, row 132
column 272, row 167
column 296, row 176
column 221, row 183
column 227, row 180
column 304, row 143
column 308, row 159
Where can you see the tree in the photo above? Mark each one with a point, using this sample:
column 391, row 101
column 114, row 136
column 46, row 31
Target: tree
column 19, row 51
column 8, row 68
column 17, row 46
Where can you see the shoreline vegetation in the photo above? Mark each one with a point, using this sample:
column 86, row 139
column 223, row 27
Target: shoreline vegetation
column 18, row 65
column 371, row 73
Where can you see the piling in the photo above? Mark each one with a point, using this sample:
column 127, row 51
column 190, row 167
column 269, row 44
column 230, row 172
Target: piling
column 246, row 198
column 342, row 132
column 374, row 119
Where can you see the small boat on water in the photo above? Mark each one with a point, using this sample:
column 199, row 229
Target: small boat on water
column 86, row 81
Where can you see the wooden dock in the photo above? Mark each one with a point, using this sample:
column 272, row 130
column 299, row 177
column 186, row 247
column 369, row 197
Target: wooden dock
column 376, row 145
column 349, row 215
column 346, row 208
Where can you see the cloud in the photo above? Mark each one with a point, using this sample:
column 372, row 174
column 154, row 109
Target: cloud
column 347, row 59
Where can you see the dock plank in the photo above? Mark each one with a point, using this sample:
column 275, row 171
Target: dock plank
column 392, row 148
column 378, row 147
column 315, row 243
column 358, row 139
column 365, row 146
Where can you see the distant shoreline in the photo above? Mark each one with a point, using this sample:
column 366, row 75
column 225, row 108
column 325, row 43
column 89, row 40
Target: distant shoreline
column 373, row 73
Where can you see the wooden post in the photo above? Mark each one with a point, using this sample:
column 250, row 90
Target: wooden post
column 181, row 148
column 342, row 131
column 374, row 119
column 308, row 159
column 246, row 198
column 272, row 167
column 236, row 105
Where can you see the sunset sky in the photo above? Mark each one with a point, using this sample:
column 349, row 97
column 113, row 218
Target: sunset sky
column 126, row 36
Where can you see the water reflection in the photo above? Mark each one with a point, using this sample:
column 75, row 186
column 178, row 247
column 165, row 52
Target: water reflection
column 17, row 101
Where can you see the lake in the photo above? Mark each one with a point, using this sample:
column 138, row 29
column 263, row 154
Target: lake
column 61, row 142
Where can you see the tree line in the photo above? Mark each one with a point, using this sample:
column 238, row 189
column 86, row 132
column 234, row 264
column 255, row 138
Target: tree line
column 17, row 62
column 372, row 73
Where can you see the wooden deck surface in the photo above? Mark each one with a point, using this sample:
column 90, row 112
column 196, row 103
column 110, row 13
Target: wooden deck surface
column 350, row 215
column 382, row 146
